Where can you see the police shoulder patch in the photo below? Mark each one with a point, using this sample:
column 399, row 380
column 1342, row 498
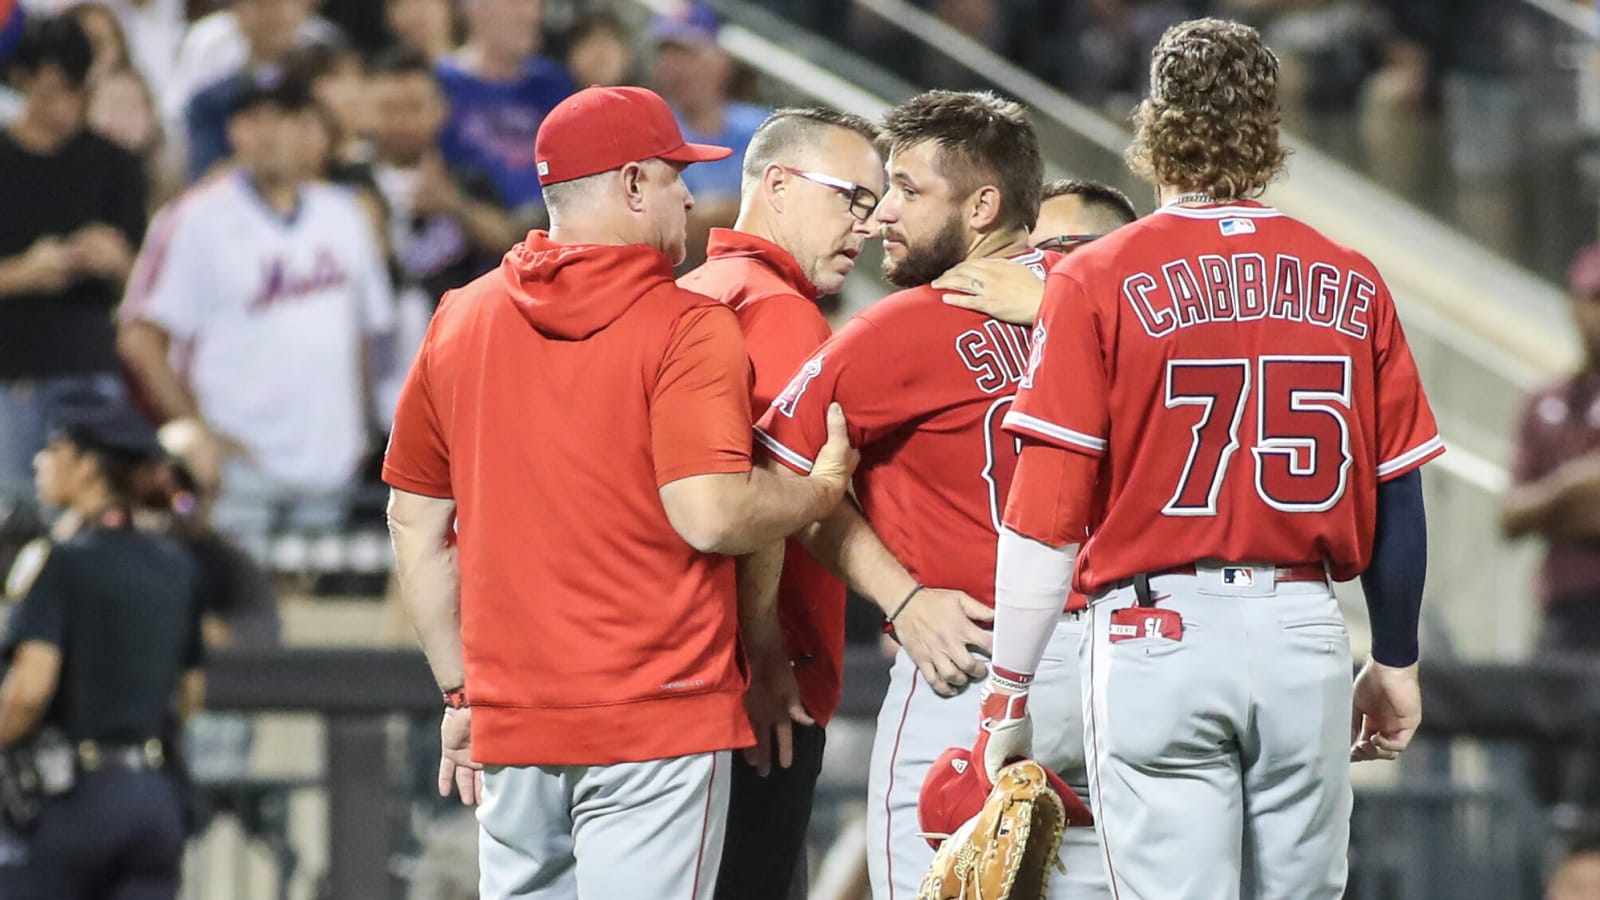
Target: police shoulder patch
column 26, row 567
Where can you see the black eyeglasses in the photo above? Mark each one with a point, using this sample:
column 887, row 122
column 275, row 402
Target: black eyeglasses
column 1066, row 243
column 862, row 200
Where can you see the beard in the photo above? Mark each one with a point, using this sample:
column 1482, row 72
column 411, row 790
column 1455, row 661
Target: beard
column 925, row 262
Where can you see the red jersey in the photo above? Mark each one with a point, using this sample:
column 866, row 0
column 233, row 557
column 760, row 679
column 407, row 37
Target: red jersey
column 777, row 309
column 552, row 398
column 924, row 386
column 1245, row 382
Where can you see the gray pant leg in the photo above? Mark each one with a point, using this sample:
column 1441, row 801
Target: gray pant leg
column 1296, row 759
column 915, row 725
column 649, row 829
column 1163, row 764
column 1056, row 705
column 652, row 829
column 525, row 846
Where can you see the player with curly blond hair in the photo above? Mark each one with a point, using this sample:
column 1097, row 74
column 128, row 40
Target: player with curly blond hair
column 1219, row 419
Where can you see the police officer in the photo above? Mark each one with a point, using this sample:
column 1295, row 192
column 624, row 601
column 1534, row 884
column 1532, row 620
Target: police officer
column 102, row 646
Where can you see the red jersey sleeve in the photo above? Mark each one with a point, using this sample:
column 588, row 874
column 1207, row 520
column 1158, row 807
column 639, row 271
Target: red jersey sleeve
column 780, row 331
column 700, row 403
column 1408, row 436
column 418, row 458
column 1065, row 396
column 858, row 368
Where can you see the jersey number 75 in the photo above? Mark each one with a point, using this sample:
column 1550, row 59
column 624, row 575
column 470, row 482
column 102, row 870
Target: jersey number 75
column 1302, row 447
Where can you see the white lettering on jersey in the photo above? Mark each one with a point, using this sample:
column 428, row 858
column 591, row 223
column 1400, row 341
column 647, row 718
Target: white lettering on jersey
column 796, row 388
column 997, row 352
column 1241, row 288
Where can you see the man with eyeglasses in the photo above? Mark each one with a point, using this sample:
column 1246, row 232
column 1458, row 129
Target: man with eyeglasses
column 1073, row 213
column 811, row 180
column 925, row 386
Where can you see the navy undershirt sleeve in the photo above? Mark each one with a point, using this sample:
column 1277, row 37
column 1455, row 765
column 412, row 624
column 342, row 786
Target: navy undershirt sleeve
column 1393, row 582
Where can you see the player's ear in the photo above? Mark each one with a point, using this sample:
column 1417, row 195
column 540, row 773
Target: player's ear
column 984, row 210
column 633, row 185
column 774, row 180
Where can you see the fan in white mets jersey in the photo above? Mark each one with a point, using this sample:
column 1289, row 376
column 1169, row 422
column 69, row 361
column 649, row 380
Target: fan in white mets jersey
column 1223, row 401
column 248, row 308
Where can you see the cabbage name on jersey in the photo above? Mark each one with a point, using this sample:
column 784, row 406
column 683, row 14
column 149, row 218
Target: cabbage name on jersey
column 1247, row 385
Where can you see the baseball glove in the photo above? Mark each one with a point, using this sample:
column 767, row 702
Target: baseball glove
column 1006, row 851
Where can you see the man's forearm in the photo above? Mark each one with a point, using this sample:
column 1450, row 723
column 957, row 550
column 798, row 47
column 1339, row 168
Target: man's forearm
column 427, row 567
column 846, row 545
column 11, row 280
column 771, row 507
column 759, row 574
column 145, row 348
column 1555, row 506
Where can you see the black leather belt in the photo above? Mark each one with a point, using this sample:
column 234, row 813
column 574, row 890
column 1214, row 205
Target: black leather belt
column 94, row 756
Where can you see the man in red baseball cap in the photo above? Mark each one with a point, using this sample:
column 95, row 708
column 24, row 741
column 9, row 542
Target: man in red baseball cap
column 571, row 473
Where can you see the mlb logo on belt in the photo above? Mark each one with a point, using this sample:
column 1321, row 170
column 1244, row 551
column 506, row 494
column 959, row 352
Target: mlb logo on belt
column 1234, row 227
column 1238, row 576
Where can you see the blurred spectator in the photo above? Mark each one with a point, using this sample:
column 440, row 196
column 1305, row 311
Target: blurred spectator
column 338, row 81
column 1470, row 47
column 267, row 287
column 1556, row 475
column 445, row 225
column 1577, row 876
column 426, row 26
column 74, row 209
column 1109, row 64
column 1555, row 495
column 146, row 33
column 105, row 36
column 499, row 91
column 600, row 50
column 242, row 39
column 122, row 109
column 693, row 73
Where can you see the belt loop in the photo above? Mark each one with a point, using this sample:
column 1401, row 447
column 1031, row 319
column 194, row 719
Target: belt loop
column 1141, row 589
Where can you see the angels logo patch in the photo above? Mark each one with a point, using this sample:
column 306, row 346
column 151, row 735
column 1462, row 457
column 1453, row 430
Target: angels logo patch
column 790, row 398
column 1035, row 356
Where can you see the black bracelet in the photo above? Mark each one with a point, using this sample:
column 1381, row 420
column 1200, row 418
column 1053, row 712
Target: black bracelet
column 903, row 603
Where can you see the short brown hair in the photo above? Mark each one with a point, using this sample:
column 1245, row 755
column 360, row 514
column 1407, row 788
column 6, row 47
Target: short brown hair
column 791, row 127
column 982, row 139
column 1210, row 123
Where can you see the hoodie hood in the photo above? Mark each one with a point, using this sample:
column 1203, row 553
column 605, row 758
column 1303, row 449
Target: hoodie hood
column 571, row 291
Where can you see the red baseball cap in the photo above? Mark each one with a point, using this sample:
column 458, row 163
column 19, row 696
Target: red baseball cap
column 953, row 792
column 599, row 129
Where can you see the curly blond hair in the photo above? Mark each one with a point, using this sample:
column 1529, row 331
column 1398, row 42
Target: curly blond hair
column 1210, row 123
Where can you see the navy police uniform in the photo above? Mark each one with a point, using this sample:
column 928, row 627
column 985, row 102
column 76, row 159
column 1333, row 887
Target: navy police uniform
column 119, row 604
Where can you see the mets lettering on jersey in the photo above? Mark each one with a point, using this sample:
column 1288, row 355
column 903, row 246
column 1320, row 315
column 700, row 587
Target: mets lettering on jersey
column 1283, row 392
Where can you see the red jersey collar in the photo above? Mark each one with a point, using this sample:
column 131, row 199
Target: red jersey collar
column 726, row 243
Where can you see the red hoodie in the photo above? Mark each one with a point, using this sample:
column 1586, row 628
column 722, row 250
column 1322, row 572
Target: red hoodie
column 551, row 400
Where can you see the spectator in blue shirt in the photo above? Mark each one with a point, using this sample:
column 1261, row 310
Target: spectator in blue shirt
column 499, row 91
column 693, row 73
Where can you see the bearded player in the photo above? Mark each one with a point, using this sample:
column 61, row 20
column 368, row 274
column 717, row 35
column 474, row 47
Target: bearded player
column 925, row 386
